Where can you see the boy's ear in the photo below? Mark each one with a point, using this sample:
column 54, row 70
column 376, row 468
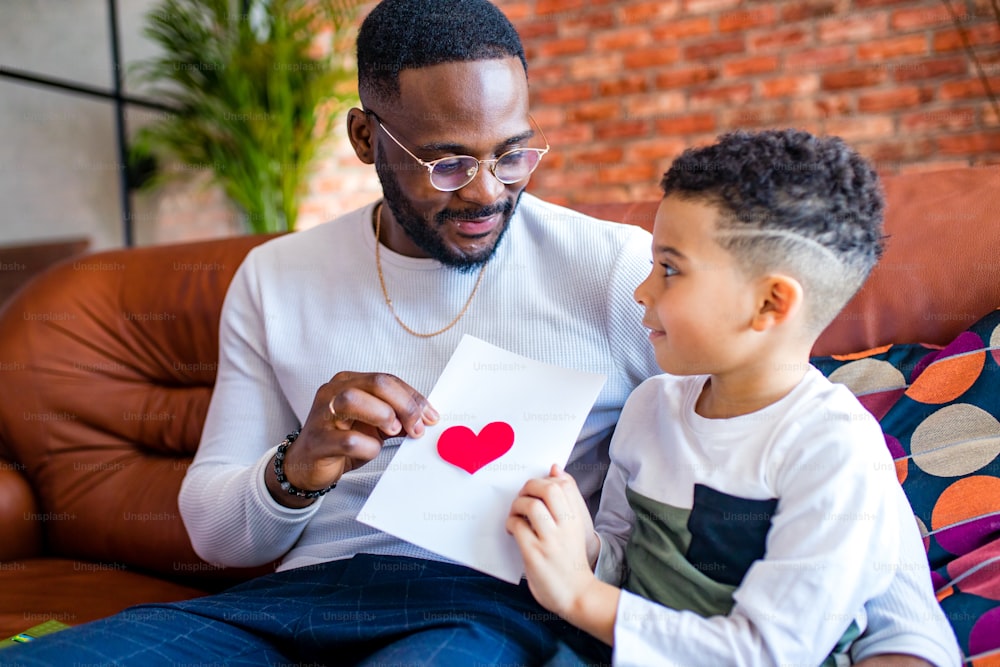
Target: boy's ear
column 779, row 298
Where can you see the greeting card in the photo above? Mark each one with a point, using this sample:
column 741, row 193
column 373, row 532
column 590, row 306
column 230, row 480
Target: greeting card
column 504, row 419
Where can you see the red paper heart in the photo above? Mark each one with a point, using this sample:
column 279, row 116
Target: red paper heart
column 459, row 446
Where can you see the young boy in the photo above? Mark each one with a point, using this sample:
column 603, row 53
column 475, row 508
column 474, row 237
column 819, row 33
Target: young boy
column 751, row 508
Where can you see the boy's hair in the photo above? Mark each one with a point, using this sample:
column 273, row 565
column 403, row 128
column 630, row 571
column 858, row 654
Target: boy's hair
column 793, row 202
column 402, row 34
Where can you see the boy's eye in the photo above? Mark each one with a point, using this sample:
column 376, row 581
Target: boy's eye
column 668, row 270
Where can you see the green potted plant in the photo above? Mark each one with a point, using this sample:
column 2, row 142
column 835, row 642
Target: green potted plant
column 256, row 86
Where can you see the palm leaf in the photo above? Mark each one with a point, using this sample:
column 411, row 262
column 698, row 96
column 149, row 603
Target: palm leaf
column 254, row 102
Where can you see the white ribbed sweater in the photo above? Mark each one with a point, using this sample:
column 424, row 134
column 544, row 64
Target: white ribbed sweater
column 308, row 305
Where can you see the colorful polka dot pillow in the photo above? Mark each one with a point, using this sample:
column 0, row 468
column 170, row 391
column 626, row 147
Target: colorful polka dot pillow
column 939, row 411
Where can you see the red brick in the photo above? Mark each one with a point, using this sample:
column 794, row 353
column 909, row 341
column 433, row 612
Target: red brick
column 860, row 128
column 564, row 180
column 684, row 27
column 752, row 65
column 865, row 4
column 983, row 9
column 602, row 195
column 779, row 40
column 650, row 106
column 598, row 67
column 928, row 69
column 553, row 197
column 931, row 166
column 963, row 144
column 553, row 72
column 537, row 30
column 651, row 57
column 573, row 92
column 589, row 22
column 852, row 78
column 562, row 47
column 568, row 135
column 883, row 49
column 588, row 112
column 889, row 100
column 557, row 161
column 646, row 12
column 639, row 191
column 888, row 154
column 745, row 19
column 790, row 86
column 951, row 39
column 684, row 77
column 958, row 90
column 827, row 107
column 626, row 86
column 548, row 117
column 622, row 129
column 627, row 173
column 627, row 38
column 706, row 6
column 543, row 7
column 715, row 48
column 665, row 148
column 516, row 11
column 735, row 94
column 942, row 119
column 609, row 155
column 990, row 114
column 689, row 124
column 854, row 28
column 815, row 59
column 923, row 17
column 773, row 115
column 799, row 11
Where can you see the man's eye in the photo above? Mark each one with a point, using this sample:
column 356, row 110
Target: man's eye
column 513, row 158
column 669, row 271
column 448, row 167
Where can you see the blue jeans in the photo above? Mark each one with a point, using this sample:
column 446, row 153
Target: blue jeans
column 367, row 610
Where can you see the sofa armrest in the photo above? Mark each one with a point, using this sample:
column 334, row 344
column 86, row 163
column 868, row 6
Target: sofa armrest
column 20, row 518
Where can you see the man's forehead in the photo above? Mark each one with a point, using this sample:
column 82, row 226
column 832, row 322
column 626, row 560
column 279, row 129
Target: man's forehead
column 478, row 91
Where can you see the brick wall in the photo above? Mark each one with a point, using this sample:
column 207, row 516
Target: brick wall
column 622, row 87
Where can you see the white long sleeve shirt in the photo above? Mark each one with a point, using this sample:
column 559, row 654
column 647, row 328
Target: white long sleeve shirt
column 307, row 305
column 756, row 540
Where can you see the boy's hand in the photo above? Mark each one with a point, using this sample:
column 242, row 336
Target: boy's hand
column 550, row 521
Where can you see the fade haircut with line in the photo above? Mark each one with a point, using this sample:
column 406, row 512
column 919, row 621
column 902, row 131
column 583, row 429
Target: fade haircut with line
column 404, row 34
column 790, row 202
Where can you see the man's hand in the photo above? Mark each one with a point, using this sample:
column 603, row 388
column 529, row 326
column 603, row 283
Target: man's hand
column 350, row 418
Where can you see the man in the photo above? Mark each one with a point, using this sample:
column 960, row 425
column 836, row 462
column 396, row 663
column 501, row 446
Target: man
column 454, row 248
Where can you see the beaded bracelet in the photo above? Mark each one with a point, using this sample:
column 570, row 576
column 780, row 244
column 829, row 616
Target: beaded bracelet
column 279, row 471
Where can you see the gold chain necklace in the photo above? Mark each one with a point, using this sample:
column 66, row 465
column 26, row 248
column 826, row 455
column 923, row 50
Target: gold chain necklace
column 385, row 292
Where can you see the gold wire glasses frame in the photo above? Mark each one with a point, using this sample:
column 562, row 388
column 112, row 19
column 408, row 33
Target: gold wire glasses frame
column 454, row 172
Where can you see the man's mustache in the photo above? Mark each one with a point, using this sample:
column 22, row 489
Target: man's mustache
column 485, row 212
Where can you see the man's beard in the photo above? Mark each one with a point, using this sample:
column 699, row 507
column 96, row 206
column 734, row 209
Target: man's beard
column 426, row 235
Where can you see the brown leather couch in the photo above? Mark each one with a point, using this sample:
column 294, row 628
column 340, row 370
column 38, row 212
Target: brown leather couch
column 107, row 363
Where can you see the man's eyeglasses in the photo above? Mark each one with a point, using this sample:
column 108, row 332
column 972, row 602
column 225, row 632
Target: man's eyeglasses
column 452, row 173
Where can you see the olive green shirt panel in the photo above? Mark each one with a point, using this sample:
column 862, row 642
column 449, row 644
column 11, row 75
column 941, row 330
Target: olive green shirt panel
column 657, row 566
